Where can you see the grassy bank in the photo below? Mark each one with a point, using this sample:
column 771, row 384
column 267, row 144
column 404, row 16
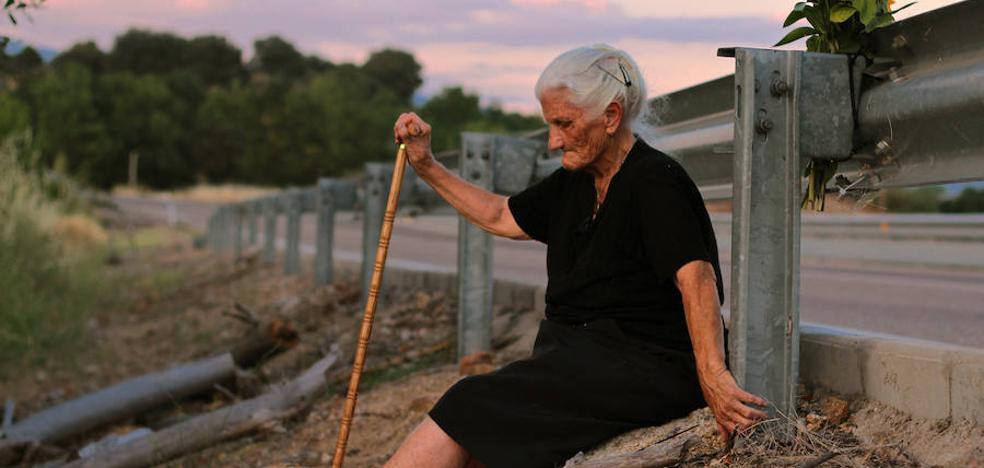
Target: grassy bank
column 51, row 259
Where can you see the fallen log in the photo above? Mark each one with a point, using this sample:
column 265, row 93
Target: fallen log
column 114, row 403
column 264, row 341
column 8, row 414
column 140, row 394
column 226, row 423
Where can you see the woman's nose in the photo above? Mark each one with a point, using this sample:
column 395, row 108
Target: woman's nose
column 554, row 140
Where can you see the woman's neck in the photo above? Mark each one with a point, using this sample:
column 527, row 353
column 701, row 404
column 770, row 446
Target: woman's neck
column 610, row 161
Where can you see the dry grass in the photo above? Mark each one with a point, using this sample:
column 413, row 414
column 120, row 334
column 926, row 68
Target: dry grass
column 225, row 193
column 50, row 262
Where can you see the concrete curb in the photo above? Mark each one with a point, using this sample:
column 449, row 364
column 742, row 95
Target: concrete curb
column 923, row 378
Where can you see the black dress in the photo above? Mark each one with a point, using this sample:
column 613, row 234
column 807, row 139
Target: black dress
column 614, row 353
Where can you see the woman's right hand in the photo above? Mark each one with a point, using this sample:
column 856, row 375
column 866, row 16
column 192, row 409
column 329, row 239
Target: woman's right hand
column 412, row 131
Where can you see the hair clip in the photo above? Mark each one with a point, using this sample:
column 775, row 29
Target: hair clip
column 625, row 76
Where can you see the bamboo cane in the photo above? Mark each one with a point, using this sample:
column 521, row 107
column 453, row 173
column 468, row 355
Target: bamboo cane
column 370, row 310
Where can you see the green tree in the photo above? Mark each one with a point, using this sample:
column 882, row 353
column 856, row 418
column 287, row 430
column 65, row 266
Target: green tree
column 27, row 61
column 86, row 54
column 68, row 126
column 449, row 113
column 395, row 70
column 453, row 111
column 330, row 124
column 214, row 60
column 220, row 133
column 278, row 58
column 140, row 51
column 145, row 118
column 15, row 116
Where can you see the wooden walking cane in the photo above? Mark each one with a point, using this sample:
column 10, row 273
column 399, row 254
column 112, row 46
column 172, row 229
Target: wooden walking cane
column 370, row 311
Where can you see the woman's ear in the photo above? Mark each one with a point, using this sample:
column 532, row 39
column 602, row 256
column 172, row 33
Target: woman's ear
column 613, row 117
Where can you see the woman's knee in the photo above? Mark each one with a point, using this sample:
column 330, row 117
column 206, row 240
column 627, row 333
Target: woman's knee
column 429, row 445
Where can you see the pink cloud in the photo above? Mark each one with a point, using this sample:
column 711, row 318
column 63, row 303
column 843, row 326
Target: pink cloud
column 493, row 47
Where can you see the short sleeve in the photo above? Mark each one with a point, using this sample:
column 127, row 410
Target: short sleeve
column 671, row 231
column 532, row 208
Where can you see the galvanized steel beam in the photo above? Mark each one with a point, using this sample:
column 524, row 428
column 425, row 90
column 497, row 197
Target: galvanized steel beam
column 764, row 331
column 252, row 223
column 376, row 190
column 237, row 229
column 475, row 252
column 326, row 232
column 269, row 230
column 292, row 256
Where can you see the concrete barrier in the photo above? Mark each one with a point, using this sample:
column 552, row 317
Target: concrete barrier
column 923, row 378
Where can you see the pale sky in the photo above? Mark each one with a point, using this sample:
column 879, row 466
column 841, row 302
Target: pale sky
column 495, row 48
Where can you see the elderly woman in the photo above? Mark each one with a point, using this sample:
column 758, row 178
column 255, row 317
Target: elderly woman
column 633, row 334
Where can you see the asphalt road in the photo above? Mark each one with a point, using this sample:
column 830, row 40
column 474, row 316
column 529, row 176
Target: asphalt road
column 920, row 288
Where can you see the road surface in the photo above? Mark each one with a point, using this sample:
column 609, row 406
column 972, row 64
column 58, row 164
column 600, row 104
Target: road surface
column 919, row 288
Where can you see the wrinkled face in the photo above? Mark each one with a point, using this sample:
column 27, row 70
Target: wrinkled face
column 582, row 140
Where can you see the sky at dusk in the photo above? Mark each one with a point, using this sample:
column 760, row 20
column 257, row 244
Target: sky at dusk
column 495, row 48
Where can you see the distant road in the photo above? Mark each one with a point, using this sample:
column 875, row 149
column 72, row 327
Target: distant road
column 917, row 287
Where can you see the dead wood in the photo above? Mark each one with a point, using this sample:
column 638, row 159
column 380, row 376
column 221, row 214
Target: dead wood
column 211, row 428
column 8, row 413
column 115, row 403
column 264, row 341
column 818, row 460
column 667, row 453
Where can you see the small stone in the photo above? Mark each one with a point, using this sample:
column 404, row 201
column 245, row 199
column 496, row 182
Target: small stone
column 835, row 409
column 814, row 422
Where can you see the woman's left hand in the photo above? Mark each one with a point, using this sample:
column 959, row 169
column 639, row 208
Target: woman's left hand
column 729, row 403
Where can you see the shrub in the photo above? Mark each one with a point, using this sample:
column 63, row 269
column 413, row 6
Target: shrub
column 50, row 263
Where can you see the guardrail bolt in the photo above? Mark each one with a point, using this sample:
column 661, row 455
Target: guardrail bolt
column 882, row 148
column 764, row 125
column 780, row 88
column 900, row 42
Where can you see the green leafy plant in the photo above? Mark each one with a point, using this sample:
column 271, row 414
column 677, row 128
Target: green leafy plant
column 16, row 6
column 835, row 26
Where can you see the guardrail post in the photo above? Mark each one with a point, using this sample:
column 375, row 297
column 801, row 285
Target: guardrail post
column 764, row 332
column 323, row 267
column 292, row 257
column 237, row 228
column 475, row 253
column 376, row 187
column 225, row 229
column 252, row 216
column 210, row 232
column 270, row 230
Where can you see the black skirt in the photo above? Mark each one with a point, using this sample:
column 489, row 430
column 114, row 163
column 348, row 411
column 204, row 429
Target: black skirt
column 583, row 384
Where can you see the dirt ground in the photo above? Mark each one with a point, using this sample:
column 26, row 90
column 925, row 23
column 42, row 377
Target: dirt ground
column 177, row 304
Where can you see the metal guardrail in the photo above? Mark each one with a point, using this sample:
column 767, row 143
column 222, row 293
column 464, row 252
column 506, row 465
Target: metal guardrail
column 921, row 111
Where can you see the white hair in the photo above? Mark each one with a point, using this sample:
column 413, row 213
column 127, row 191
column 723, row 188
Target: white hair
column 596, row 76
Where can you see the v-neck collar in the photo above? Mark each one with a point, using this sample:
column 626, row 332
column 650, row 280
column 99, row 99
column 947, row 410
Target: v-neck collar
column 593, row 217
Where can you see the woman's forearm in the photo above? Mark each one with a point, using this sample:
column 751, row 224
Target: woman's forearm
column 698, row 287
column 485, row 209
